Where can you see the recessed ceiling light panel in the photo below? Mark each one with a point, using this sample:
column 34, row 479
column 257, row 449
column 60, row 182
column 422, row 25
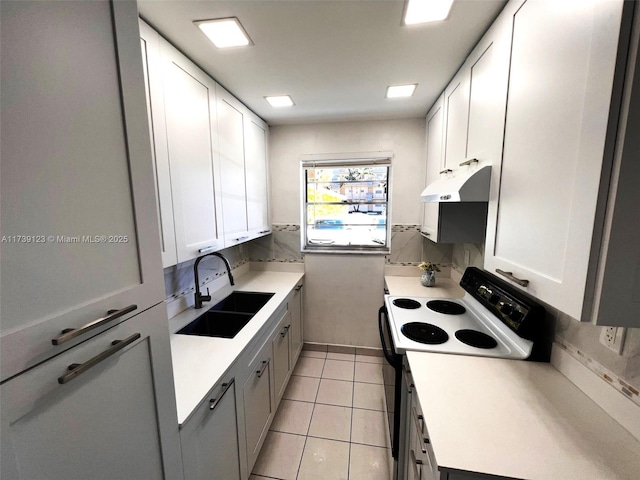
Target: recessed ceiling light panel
column 424, row 11
column 224, row 32
column 280, row 101
column 400, row 91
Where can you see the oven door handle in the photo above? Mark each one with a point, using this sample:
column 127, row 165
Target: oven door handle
column 382, row 314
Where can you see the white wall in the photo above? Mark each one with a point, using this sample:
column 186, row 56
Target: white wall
column 344, row 292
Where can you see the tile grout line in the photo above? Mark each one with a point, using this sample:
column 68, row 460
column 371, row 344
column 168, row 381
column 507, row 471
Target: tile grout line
column 353, row 394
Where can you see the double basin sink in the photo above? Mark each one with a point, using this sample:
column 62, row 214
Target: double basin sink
column 226, row 318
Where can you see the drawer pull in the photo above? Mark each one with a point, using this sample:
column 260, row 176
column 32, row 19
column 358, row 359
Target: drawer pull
column 446, row 170
column 239, row 239
column 71, row 333
column 298, row 288
column 265, row 364
column 207, row 249
column 77, row 369
column 213, row 403
column 509, row 275
column 264, row 231
column 469, row 162
column 285, row 330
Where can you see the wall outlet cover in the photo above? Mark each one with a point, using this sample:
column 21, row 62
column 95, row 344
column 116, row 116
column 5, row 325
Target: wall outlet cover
column 613, row 338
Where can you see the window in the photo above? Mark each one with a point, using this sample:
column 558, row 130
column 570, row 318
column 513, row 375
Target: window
column 346, row 203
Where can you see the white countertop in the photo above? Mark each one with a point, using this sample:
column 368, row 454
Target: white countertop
column 200, row 362
column 411, row 287
column 518, row 419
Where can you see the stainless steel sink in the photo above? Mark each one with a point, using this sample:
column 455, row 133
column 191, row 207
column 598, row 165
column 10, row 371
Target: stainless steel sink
column 226, row 318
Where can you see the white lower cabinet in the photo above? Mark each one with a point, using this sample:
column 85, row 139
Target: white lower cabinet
column 210, row 437
column 281, row 343
column 104, row 409
column 297, row 323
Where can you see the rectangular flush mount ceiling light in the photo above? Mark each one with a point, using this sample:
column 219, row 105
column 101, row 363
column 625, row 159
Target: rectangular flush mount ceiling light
column 280, row 101
column 424, row 11
column 399, row 91
column 224, row 32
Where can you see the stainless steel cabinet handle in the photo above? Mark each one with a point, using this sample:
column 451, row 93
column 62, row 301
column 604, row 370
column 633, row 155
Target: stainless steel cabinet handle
column 415, row 462
column 446, row 170
column 264, row 231
column 425, row 234
column 207, row 249
column 417, row 418
column 239, row 239
column 469, row 162
column 509, row 275
column 265, row 364
column 77, row 369
column 71, row 333
column 285, row 330
column 298, row 288
column 213, row 403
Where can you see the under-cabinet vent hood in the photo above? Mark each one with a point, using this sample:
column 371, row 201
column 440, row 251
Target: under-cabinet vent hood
column 462, row 187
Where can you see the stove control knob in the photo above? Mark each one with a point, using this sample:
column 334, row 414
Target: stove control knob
column 493, row 299
column 506, row 309
column 516, row 316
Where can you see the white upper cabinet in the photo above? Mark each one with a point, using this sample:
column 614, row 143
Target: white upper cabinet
column 232, row 167
column 456, row 105
column 547, row 212
column 256, row 133
column 152, row 66
column 435, row 163
column 190, row 107
column 80, row 233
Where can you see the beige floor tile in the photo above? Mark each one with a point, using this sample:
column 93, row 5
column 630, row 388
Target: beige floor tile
column 368, row 395
column 368, row 373
column 368, row 427
column 313, row 354
column 338, row 370
column 370, row 359
column 324, row 460
column 332, row 422
column 347, row 357
column 303, row 389
column 335, row 392
column 369, row 463
column 280, row 456
column 293, row 417
column 309, row 367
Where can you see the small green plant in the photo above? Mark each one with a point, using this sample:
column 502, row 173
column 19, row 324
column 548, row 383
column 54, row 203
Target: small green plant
column 428, row 267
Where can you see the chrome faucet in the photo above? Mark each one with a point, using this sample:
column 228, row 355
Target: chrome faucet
column 207, row 298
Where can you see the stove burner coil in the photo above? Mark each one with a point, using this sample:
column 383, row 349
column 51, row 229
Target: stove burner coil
column 476, row 339
column 424, row 333
column 446, row 307
column 406, row 303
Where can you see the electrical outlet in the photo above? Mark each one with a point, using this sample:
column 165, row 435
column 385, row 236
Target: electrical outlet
column 613, row 338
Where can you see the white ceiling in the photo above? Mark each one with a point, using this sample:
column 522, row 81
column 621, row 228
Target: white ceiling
column 334, row 57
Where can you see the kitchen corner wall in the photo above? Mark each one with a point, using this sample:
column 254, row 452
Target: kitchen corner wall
column 343, row 292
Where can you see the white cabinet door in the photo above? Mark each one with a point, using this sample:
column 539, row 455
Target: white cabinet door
column 210, row 449
column 297, row 324
column 456, row 105
column 190, row 107
column 113, row 420
column 435, row 163
column 256, row 175
column 232, row 164
column 258, row 400
column 152, row 67
column 79, row 223
column 560, row 88
column 281, row 343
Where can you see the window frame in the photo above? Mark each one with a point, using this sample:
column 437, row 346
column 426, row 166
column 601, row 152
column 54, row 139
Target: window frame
column 345, row 160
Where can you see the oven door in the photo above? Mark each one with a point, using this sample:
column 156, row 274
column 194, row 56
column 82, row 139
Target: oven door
column 392, row 379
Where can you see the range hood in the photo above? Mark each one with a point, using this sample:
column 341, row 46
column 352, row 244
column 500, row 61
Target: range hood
column 463, row 187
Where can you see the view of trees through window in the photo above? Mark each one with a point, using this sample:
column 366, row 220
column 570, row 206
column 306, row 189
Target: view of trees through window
column 346, row 206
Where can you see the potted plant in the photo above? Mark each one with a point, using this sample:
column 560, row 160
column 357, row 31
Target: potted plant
column 428, row 278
